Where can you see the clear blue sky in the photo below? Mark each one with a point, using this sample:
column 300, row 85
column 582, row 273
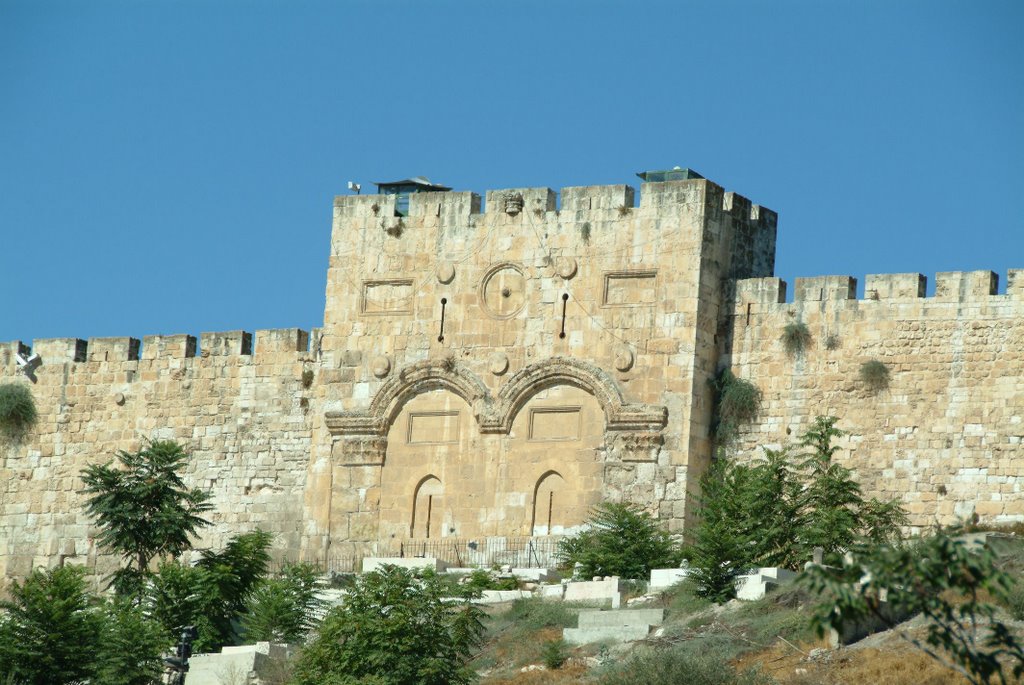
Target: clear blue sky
column 169, row 167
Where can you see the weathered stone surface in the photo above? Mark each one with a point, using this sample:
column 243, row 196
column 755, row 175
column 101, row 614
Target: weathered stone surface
column 491, row 415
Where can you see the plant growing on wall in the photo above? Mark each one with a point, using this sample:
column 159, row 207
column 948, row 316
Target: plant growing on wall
column 17, row 410
column 875, row 375
column 585, row 232
column 796, row 338
column 737, row 401
column 394, row 230
column 143, row 508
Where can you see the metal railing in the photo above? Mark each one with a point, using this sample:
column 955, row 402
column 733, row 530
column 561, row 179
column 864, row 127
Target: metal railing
column 515, row 552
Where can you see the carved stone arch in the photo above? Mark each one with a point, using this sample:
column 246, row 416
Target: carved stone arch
column 410, row 381
column 424, row 518
column 521, row 386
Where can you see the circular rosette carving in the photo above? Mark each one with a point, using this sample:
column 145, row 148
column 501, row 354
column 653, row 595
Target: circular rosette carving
column 503, row 291
column 380, row 366
column 623, row 357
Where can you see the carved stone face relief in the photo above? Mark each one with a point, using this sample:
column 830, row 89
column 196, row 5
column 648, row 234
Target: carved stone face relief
column 503, row 291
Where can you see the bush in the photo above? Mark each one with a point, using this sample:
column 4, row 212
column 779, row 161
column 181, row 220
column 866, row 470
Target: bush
column 622, row 540
column 482, row 579
column 283, row 609
column 875, row 375
column 48, row 631
column 17, row 410
column 394, row 627
column 131, row 648
column 672, row 666
column 212, row 594
column 796, row 338
column 554, row 654
column 737, row 401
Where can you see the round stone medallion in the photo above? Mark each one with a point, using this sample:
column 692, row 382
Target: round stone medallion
column 498, row 363
column 445, row 272
column 503, row 291
column 623, row 357
column 380, row 366
column 565, row 267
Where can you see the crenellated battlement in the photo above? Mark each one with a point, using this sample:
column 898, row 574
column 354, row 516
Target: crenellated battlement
column 265, row 343
column 950, row 286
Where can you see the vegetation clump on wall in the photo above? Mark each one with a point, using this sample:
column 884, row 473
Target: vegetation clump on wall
column 17, row 410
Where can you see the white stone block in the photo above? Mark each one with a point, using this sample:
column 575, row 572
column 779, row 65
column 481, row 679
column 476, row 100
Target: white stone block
column 662, row 578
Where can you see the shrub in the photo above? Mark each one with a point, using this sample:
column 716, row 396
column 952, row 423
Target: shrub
column 875, row 375
column 673, row 665
column 131, row 647
column 737, row 401
column 283, row 609
column 796, row 338
column 212, row 594
column 17, row 409
column 482, row 579
column 585, row 232
column 554, row 654
column 307, row 378
column 396, row 229
column 394, row 627
column 48, row 632
column 622, row 540
column 832, row 342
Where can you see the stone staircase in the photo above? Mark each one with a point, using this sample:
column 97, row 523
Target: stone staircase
column 617, row 625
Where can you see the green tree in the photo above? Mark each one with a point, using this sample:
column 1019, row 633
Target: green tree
column 131, row 648
column 394, row 627
column 724, row 544
column 621, row 540
column 774, row 512
column 143, row 508
column 283, row 608
column 834, row 513
column 49, row 632
column 210, row 595
column 937, row 576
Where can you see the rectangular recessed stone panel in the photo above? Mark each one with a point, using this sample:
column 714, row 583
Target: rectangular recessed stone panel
column 630, row 288
column 387, row 297
column 555, row 423
column 433, row 428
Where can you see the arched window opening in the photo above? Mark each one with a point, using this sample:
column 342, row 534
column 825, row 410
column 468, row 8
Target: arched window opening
column 548, row 504
column 426, row 509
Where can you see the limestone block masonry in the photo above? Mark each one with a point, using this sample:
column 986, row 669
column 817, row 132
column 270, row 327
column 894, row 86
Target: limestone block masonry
column 489, row 371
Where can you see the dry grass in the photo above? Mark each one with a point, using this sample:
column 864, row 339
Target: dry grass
column 572, row 672
column 896, row 666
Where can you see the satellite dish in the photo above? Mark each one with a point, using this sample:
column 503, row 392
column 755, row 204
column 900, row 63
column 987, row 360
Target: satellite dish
column 354, row 187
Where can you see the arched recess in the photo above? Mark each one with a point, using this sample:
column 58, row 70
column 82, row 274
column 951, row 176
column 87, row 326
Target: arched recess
column 523, row 385
column 416, row 379
column 426, row 508
column 548, row 515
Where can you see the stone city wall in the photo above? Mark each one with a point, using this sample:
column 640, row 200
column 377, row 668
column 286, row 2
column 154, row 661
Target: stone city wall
column 238, row 404
column 946, row 438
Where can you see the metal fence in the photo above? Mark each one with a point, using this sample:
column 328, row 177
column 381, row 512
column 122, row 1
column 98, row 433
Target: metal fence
column 487, row 552
column 524, row 552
